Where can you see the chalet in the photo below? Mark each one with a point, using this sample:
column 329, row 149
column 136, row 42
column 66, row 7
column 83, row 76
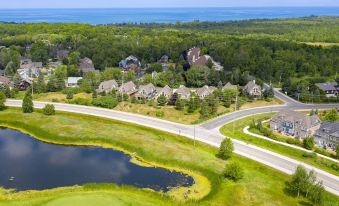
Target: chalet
column 252, row 89
column 230, row 86
column 72, row 82
column 331, row 89
column 205, row 91
column 128, row 88
column 166, row 91
column 194, row 57
column 130, row 63
column 86, row 65
column 295, row 124
column 183, row 92
column 107, row 86
column 146, row 91
column 327, row 136
column 4, row 81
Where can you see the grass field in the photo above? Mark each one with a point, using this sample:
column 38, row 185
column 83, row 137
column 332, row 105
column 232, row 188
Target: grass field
column 261, row 185
column 235, row 130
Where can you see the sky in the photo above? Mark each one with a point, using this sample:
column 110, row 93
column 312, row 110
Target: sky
column 162, row 3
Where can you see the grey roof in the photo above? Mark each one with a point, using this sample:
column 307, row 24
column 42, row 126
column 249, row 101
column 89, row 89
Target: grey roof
column 304, row 120
column 129, row 62
column 230, row 86
column 4, row 80
column 332, row 86
column 205, row 91
column 107, row 86
column 86, row 65
column 250, row 85
column 330, row 128
column 73, row 80
column 128, row 88
column 183, row 91
column 27, row 64
column 167, row 91
column 146, row 89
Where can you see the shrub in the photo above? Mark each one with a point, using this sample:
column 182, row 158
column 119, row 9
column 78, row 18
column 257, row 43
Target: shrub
column 2, row 101
column 27, row 103
column 226, row 149
column 233, row 171
column 159, row 114
column 309, row 155
column 81, row 101
column 180, row 104
column 49, row 109
column 69, row 95
column 308, row 143
column 106, row 102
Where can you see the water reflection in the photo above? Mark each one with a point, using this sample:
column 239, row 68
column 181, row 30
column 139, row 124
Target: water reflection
column 38, row 165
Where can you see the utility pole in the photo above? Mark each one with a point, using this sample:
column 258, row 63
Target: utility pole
column 236, row 103
column 194, row 136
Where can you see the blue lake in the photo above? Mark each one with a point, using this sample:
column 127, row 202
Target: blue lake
column 29, row 164
column 106, row 16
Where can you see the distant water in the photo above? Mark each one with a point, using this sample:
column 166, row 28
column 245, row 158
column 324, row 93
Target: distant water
column 106, row 16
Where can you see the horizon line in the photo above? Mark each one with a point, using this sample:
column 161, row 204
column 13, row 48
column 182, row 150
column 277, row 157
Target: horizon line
column 199, row 7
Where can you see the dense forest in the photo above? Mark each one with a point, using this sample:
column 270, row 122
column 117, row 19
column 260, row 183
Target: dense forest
column 271, row 50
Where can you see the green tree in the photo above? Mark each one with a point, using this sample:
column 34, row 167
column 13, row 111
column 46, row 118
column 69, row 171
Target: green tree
column 331, row 115
column 308, row 143
column 337, row 151
column 2, row 101
column 233, row 171
column 27, row 103
column 40, row 52
column 69, row 95
column 299, row 180
column 226, row 149
column 193, row 103
column 316, row 194
column 180, row 104
column 41, row 85
column 198, row 76
column 10, row 69
column 74, row 58
column 49, row 110
column 162, row 100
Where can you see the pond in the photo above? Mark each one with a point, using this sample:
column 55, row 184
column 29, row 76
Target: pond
column 29, row 164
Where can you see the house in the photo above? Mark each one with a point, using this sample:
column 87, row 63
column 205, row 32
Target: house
column 295, row 124
column 107, row 86
column 29, row 69
column 130, row 63
column 183, row 92
column 327, row 136
column 128, row 88
column 230, row 86
column 331, row 89
column 72, row 82
column 62, row 54
column 146, row 91
column 252, row 89
column 4, row 81
column 194, row 57
column 86, row 65
column 205, row 91
column 24, row 84
column 166, row 91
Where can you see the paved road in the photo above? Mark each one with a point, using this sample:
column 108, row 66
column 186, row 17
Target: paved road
column 207, row 134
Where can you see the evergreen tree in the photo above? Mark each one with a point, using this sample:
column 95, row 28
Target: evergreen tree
column 27, row 103
column 226, row 149
column 41, row 85
column 2, row 101
column 180, row 104
column 308, row 143
column 162, row 100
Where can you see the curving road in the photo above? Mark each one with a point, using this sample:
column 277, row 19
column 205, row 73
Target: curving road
column 209, row 133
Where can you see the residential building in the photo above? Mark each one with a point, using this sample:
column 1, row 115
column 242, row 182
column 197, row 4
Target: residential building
column 183, row 92
column 72, row 82
column 230, row 86
column 164, row 59
column 62, row 54
column 295, row 124
column 166, row 91
column 327, row 136
column 29, row 69
column 24, row 84
column 4, row 81
column 107, row 86
column 130, row 63
column 194, row 57
column 86, row 65
column 205, row 91
column 128, row 88
column 331, row 89
column 252, row 89
column 146, row 91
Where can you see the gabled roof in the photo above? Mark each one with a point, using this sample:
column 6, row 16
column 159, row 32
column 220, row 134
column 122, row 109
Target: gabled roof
column 305, row 121
column 107, row 85
column 250, row 85
column 73, row 80
column 86, row 65
column 128, row 88
column 4, row 80
column 167, row 91
column 205, row 91
column 147, row 89
column 330, row 128
column 182, row 90
column 230, row 86
column 332, row 86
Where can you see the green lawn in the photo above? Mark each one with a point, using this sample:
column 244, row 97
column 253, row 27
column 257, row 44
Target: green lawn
column 235, row 130
column 261, row 185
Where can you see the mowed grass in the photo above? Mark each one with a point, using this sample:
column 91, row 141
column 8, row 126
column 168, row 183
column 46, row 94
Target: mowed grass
column 235, row 130
column 261, row 103
column 261, row 185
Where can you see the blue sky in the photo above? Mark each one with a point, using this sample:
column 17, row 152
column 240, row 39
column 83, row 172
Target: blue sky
column 160, row 3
